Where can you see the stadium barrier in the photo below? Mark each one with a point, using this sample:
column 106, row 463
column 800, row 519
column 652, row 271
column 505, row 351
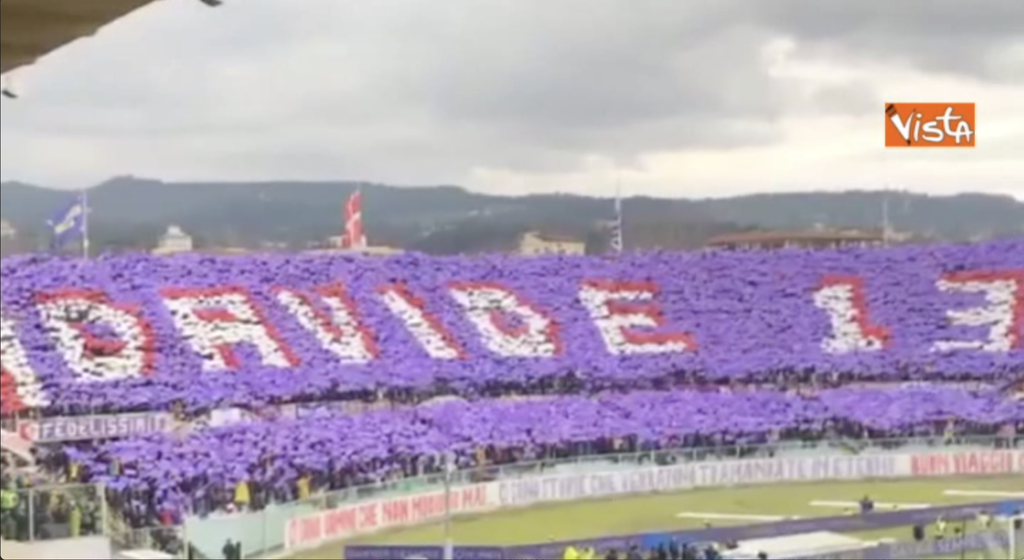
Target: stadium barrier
column 261, row 532
column 360, row 519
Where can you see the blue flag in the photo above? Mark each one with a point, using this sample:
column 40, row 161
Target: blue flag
column 69, row 224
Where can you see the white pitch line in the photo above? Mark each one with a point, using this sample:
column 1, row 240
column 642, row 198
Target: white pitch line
column 878, row 505
column 983, row 494
column 732, row 516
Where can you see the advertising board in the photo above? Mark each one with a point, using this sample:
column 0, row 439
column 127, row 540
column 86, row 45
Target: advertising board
column 968, row 463
column 373, row 516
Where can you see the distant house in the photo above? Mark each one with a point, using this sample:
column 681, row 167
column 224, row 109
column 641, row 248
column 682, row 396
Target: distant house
column 372, row 251
column 337, row 244
column 665, row 234
column 7, row 231
column 813, row 239
column 537, row 243
column 226, row 251
column 174, row 241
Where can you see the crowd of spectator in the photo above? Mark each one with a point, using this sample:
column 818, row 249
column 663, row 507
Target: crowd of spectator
column 33, row 508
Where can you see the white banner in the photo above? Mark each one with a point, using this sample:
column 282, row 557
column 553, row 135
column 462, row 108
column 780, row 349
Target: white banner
column 569, row 487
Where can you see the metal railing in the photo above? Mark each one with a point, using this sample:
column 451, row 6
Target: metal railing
column 54, row 512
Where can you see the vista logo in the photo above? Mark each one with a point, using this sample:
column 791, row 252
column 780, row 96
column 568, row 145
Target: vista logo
column 930, row 125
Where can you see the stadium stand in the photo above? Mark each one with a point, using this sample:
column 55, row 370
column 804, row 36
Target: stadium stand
column 128, row 333
column 251, row 465
column 556, row 357
column 661, row 352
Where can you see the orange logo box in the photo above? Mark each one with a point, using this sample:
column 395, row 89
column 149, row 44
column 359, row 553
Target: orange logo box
column 929, row 125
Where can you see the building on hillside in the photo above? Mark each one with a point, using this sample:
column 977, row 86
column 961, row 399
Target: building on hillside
column 7, row 231
column 373, row 251
column 379, row 250
column 226, row 251
column 10, row 244
column 812, row 239
column 337, row 244
column 664, row 234
column 174, row 241
column 537, row 243
column 334, row 242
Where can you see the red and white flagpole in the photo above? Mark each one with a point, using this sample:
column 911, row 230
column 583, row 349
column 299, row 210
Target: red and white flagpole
column 355, row 238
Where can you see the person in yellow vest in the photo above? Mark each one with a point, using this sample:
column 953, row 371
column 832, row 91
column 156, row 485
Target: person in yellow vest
column 8, row 500
column 242, row 497
column 303, row 488
column 75, row 520
column 571, row 554
column 8, row 503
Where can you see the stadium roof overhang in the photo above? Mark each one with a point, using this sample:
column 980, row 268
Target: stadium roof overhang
column 30, row 29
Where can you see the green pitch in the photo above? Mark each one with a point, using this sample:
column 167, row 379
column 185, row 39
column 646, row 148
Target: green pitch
column 686, row 510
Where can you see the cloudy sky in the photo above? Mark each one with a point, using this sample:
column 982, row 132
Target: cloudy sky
column 674, row 97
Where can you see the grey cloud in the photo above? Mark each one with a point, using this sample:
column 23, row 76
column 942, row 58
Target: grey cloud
column 940, row 35
column 851, row 98
column 417, row 91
